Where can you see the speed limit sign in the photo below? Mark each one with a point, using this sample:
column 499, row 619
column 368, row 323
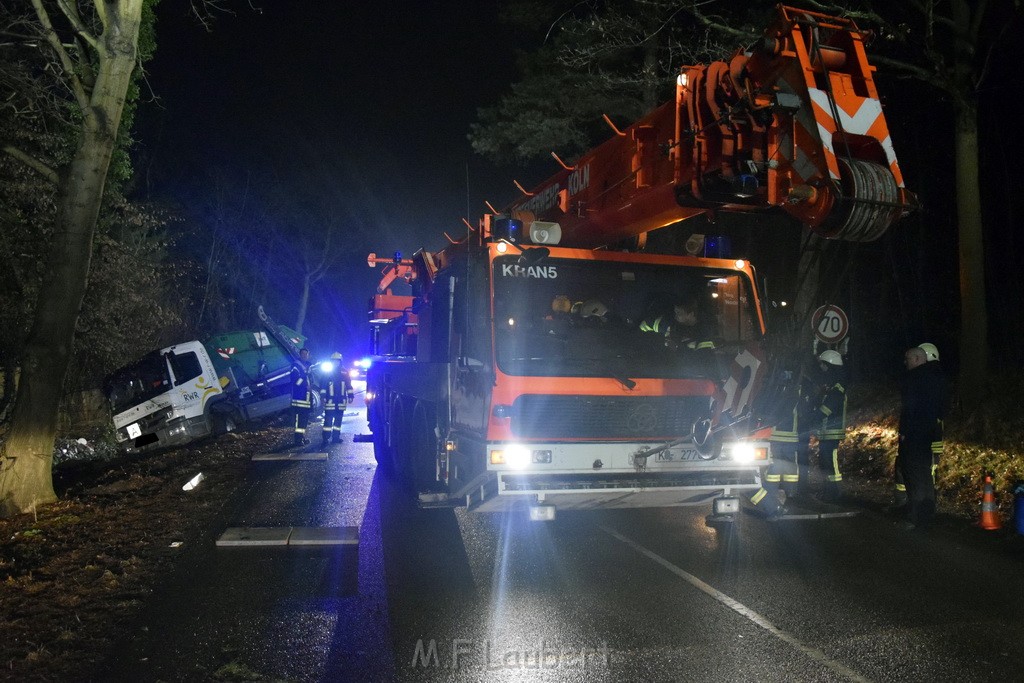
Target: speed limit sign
column 830, row 324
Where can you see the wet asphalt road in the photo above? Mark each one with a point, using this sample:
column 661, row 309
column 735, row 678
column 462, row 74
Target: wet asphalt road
column 652, row 595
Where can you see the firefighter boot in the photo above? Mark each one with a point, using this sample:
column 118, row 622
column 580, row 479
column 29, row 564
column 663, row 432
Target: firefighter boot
column 766, row 502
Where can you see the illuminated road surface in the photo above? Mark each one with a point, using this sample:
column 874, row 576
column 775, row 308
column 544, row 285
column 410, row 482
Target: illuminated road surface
column 652, row 595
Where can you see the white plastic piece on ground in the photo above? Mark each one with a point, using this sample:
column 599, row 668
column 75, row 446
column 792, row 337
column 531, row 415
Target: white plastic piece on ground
column 542, row 513
column 176, row 544
column 725, row 506
column 82, row 441
column 193, row 482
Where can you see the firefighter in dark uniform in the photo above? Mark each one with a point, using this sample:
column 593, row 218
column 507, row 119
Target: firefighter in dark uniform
column 830, row 421
column 302, row 396
column 337, row 394
column 683, row 327
column 788, row 441
column 924, row 397
column 689, row 329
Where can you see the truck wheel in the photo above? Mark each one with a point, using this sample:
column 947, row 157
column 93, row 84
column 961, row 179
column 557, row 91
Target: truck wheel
column 381, row 447
column 424, row 448
column 316, row 406
column 220, row 421
column 398, row 441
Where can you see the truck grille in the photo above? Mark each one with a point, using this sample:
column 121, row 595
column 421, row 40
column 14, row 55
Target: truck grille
column 645, row 480
column 606, row 417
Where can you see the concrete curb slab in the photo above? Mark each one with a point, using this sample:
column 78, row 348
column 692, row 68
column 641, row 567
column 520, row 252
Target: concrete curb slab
column 331, row 535
column 254, row 536
column 289, row 536
column 290, row 456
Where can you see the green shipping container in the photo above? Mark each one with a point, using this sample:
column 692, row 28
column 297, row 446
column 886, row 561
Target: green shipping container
column 251, row 356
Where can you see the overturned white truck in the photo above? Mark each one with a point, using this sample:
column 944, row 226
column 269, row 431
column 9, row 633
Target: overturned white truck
column 186, row 391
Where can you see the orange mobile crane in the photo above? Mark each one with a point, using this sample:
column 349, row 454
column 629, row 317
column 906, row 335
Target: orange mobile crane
column 518, row 373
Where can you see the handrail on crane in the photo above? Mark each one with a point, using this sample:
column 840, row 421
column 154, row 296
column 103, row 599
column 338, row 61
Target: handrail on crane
column 561, row 163
column 522, row 189
column 612, row 126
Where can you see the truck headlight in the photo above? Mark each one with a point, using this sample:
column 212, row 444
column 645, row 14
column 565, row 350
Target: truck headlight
column 514, row 455
column 518, row 457
column 746, row 452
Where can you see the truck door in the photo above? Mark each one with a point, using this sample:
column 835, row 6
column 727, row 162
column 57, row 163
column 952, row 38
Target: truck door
column 191, row 385
column 471, row 348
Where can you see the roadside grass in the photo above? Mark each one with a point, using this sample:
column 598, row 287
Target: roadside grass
column 984, row 438
column 75, row 575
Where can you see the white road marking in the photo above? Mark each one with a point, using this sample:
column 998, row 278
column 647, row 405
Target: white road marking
column 740, row 608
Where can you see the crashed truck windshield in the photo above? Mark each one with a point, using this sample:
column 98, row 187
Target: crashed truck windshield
column 588, row 318
column 137, row 382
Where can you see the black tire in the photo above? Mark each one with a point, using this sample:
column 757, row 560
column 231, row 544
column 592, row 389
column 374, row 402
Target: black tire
column 316, row 406
column 381, row 447
column 399, row 442
column 224, row 423
column 423, row 456
column 221, row 420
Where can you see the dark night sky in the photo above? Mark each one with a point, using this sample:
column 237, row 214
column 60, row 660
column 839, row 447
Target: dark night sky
column 380, row 94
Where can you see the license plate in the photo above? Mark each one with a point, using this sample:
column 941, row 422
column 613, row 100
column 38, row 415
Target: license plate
column 134, row 431
column 679, row 455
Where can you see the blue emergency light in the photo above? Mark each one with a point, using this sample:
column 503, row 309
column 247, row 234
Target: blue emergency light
column 717, row 246
column 509, row 229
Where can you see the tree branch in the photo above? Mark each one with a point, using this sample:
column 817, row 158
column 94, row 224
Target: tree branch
column 989, row 54
column 915, row 71
column 712, row 23
column 71, row 12
column 65, row 59
column 33, row 163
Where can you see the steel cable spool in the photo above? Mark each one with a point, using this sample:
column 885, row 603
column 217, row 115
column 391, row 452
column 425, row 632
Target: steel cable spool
column 870, row 203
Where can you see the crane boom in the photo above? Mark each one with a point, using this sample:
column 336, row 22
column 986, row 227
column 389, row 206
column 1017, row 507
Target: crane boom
column 794, row 124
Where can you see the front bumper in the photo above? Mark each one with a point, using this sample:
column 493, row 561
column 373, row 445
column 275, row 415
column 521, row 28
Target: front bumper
column 592, row 476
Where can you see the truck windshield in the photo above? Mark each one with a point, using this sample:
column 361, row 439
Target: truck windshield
column 138, row 382
column 576, row 318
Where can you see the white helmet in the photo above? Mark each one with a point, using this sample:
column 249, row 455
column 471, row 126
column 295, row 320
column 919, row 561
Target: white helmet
column 930, row 351
column 831, row 357
column 592, row 308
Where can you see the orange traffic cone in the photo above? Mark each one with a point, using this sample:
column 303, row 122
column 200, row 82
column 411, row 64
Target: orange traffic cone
column 989, row 512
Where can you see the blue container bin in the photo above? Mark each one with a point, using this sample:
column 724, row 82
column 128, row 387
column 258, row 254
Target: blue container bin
column 1018, row 509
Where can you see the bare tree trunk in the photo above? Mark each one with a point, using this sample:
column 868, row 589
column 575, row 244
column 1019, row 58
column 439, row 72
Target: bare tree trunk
column 974, row 351
column 25, row 469
column 210, row 261
column 303, row 303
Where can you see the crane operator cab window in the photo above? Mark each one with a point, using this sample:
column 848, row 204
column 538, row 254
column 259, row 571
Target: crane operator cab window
column 591, row 319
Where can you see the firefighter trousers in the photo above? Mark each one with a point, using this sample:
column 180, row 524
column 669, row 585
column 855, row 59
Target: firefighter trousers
column 780, row 474
column 332, row 423
column 301, row 422
column 900, row 495
column 828, row 463
column 914, row 462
